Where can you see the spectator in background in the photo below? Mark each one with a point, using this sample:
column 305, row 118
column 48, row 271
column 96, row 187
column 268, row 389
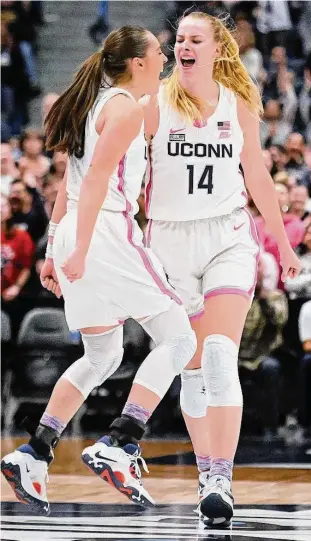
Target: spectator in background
column 15, row 148
column 305, row 337
column 281, row 100
column 305, row 25
column 305, row 101
column 47, row 104
column 33, row 160
column 100, row 28
column 278, row 61
column 9, row 171
column 276, row 125
column 279, row 156
column 266, row 154
column 273, row 24
column 24, row 18
column 250, row 56
column 298, row 199
column 281, row 177
column 295, row 228
column 300, row 286
column 262, row 335
column 58, row 167
column 28, row 210
column 50, row 188
column 296, row 165
column 15, row 85
column 17, row 249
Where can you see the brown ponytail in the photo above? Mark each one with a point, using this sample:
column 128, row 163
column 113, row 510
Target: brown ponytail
column 66, row 120
column 65, row 123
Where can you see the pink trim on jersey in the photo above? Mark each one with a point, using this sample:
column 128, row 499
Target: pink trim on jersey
column 236, row 290
column 130, row 229
column 149, row 185
column 226, row 291
column 254, row 236
column 197, row 315
column 148, row 234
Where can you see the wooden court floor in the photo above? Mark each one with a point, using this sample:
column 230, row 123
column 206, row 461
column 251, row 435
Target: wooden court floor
column 71, row 481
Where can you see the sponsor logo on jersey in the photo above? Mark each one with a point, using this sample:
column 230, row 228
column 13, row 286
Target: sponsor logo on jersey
column 177, row 137
column 199, row 150
column 177, row 131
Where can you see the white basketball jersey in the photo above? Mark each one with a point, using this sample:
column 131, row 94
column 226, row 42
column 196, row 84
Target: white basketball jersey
column 193, row 172
column 125, row 182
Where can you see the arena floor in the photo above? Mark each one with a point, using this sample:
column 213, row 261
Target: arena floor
column 273, row 501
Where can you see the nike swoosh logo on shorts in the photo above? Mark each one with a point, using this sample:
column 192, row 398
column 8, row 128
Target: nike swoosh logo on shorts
column 236, row 227
column 99, row 455
column 176, row 131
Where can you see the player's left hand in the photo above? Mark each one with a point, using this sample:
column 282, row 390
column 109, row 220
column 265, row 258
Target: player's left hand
column 74, row 267
column 48, row 278
column 290, row 263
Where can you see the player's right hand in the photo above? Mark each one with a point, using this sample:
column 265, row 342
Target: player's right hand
column 48, row 278
column 74, row 267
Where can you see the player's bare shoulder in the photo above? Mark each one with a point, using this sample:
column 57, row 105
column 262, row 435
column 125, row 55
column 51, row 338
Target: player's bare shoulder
column 120, row 109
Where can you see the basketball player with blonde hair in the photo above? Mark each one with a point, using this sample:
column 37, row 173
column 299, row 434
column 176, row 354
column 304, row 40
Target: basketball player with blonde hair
column 202, row 127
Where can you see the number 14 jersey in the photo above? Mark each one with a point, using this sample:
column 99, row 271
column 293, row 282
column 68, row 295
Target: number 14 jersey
column 194, row 171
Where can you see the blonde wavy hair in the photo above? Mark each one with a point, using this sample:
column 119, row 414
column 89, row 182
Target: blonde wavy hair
column 228, row 70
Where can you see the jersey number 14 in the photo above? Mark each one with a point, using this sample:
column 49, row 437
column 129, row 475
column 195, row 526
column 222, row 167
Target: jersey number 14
column 205, row 181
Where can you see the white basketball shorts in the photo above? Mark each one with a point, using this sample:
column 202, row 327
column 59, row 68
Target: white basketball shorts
column 209, row 257
column 122, row 278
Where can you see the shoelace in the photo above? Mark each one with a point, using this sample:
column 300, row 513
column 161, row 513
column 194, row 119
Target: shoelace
column 219, row 482
column 134, row 462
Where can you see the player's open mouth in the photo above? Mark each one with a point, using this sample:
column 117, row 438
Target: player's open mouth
column 187, row 62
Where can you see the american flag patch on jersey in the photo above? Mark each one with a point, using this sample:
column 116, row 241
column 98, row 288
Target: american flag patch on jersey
column 225, row 125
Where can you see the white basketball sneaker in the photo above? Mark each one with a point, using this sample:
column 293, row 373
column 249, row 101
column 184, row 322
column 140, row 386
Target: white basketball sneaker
column 28, row 475
column 119, row 467
column 216, row 507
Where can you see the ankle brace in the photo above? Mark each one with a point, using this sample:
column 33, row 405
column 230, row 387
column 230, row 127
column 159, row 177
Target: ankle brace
column 43, row 441
column 126, row 429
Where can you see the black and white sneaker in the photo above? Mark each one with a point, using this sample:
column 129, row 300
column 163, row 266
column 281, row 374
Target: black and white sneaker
column 119, row 467
column 28, row 475
column 216, row 506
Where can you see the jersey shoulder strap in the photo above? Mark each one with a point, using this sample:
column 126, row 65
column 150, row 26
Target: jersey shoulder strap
column 104, row 95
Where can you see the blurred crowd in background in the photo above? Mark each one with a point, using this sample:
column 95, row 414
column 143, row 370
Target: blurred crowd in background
column 275, row 353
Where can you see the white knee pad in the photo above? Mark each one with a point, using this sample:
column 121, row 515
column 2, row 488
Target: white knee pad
column 175, row 346
column 193, row 400
column 220, row 371
column 102, row 356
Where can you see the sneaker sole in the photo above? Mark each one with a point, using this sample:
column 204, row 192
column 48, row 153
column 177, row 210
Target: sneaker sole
column 105, row 472
column 12, row 474
column 215, row 512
